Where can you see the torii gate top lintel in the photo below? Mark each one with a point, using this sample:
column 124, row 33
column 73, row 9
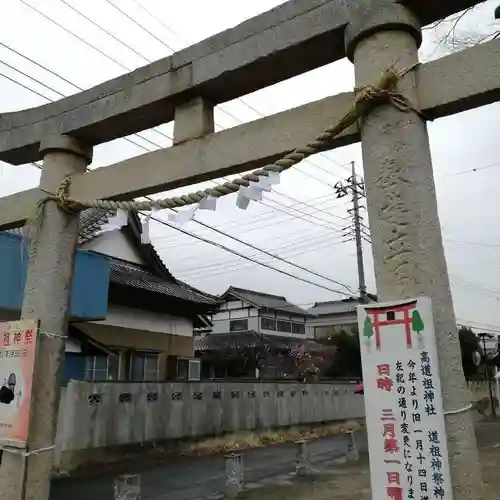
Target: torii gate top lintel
column 147, row 96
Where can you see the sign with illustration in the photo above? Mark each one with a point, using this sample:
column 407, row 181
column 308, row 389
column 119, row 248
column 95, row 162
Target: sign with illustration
column 18, row 340
column 404, row 408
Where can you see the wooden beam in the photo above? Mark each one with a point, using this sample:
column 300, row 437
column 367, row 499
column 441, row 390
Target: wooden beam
column 295, row 37
column 466, row 79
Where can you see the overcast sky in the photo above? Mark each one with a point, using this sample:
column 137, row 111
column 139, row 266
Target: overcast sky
column 308, row 234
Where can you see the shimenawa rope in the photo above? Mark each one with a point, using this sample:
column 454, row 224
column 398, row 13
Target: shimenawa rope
column 366, row 99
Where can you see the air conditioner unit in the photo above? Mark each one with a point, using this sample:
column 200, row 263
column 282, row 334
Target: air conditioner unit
column 194, row 370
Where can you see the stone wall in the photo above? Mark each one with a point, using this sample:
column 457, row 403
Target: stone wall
column 100, row 416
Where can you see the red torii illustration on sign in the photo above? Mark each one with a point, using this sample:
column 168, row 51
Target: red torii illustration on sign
column 390, row 319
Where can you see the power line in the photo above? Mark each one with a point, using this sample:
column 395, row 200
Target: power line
column 275, row 201
column 238, row 266
column 476, row 169
column 199, row 222
column 296, row 248
column 129, row 47
column 39, row 65
column 474, row 243
column 263, row 264
column 139, row 24
column 128, row 139
column 72, row 33
column 33, row 79
column 248, row 225
column 478, row 326
column 224, row 111
column 25, row 86
column 275, row 256
column 254, row 247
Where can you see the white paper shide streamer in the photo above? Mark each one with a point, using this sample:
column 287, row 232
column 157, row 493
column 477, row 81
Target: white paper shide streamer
column 115, row 223
column 118, row 220
column 254, row 191
column 183, row 216
column 187, row 214
column 145, row 227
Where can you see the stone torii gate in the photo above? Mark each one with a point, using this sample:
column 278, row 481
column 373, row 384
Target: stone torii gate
column 293, row 38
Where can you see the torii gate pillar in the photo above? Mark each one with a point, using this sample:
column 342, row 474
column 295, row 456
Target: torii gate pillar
column 402, row 207
column 47, row 298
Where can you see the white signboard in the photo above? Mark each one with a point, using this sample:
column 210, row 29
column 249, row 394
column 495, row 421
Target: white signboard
column 404, row 407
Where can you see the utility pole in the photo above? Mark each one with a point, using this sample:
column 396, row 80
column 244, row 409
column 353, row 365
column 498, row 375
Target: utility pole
column 484, row 337
column 358, row 191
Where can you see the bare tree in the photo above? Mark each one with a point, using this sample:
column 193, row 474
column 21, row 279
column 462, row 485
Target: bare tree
column 454, row 34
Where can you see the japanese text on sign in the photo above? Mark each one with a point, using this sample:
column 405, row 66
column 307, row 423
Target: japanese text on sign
column 17, row 357
column 404, row 410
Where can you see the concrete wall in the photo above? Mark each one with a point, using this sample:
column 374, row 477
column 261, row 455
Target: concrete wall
column 107, row 415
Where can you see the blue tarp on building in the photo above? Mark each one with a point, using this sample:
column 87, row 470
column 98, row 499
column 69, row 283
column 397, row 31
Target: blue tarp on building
column 89, row 292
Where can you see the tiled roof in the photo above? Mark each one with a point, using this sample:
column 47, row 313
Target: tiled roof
column 91, row 222
column 337, row 306
column 133, row 275
column 333, row 307
column 269, row 301
column 250, row 338
column 128, row 274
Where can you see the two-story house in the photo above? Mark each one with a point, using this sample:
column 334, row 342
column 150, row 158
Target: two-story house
column 248, row 324
column 329, row 318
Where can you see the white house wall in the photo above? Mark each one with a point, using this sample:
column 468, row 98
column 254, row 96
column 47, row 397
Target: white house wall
column 114, row 244
column 309, row 331
column 235, row 310
column 238, row 309
column 138, row 319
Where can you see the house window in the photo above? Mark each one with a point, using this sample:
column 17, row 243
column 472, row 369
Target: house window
column 299, row 328
column 101, row 368
column 238, row 325
column 284, row 326
column 268, row 324
column 144, row 366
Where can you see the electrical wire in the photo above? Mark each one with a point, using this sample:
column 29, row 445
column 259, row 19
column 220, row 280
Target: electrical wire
column 263, row 264
column 286, row 207
column 173, row 50
column 103, row 53
column 277, row 257
column 254, row 247
column 148, row 60
column 301, row 246
column 245, row 103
